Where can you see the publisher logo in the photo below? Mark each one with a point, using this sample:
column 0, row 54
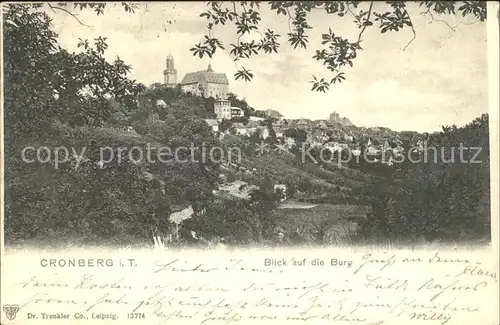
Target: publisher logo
column 10, row 311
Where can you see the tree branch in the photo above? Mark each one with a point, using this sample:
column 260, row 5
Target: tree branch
column 289, row 20
column 234, row 10
column 69, row 13
column 428, row 12
column 471, row 23
column 352, row 13
column 414, row 33
column 367, row 19
column 237, row 20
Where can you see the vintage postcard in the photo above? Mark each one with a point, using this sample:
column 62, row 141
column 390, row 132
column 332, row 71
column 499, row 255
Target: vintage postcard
column 247, row 162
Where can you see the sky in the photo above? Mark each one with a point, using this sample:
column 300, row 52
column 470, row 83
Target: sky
column 440, row 79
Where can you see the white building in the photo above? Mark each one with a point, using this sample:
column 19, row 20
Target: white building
column 213, row 124
column 237, row 112
column 161, row 103
column 256, row 118
column 222, row 109
column 240, row 129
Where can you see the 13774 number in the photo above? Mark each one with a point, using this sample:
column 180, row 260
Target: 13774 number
column 135, row 315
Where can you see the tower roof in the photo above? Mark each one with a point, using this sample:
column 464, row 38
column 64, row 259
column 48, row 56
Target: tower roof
column 170, row 56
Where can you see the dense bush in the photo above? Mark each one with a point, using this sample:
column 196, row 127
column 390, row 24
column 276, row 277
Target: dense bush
column 438, row 200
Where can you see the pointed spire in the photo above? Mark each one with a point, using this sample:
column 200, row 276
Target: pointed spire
column 209, row 67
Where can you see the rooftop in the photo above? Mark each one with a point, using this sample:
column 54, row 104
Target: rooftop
column 161, row 102
column 205, row 75
column 212, row 122
column 238, row 189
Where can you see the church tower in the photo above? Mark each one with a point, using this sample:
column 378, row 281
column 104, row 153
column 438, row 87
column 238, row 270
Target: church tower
column 170, row 74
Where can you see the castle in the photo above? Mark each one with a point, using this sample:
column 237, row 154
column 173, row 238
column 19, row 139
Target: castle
column 205, row 83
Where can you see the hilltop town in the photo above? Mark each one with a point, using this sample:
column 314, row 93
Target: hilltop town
column 334, row 133
column 330, row 200
column 296, row 181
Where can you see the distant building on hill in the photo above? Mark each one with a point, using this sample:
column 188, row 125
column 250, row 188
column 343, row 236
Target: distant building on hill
column 222, row 109
column 170, row 73
column 206, row 83
column 237, row 112
column 335, row 118
column 302, row 124
column 240, row 129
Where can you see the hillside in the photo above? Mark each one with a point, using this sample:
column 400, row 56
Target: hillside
column 346, row 204
column 93, row 157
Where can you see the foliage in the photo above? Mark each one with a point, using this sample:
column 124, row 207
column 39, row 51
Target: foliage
column 441, row 199
column 241, row 103
column 225, row 124
column 230, row 221
column 240, row 119
column 45, row 82
column 338, row 52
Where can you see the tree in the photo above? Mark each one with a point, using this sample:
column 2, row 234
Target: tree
column 240, row 119
column 241, row 103
column 225, row 124
column 44, row 82
column 299, row 135
column 338, row 52
column 112, row 202
column 438, row 200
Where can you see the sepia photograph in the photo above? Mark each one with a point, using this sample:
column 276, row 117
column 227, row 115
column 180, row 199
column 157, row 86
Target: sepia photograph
column 245, row 124
column 250, row 162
